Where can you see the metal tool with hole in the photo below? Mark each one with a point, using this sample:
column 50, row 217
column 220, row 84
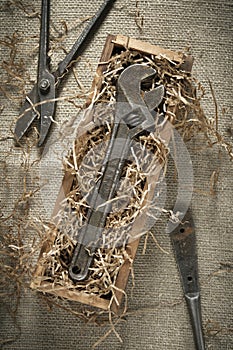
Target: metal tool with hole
column 132, row 117
column 184, row 244
column 41, row 100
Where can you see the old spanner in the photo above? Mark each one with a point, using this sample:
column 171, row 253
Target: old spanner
column 183, row 239
column 132, row 117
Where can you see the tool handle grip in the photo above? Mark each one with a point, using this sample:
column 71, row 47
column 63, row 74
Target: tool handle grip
column 90, row 236
column 78, row 45
column 43, row 62
column 194, row 307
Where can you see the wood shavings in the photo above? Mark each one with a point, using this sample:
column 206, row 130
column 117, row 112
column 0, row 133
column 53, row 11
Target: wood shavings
column 14, row 73
column 27, row 9
column 139, row 19
column 214, row 328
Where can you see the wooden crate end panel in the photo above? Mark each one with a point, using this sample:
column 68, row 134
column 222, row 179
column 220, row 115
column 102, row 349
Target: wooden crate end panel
column 63, row 292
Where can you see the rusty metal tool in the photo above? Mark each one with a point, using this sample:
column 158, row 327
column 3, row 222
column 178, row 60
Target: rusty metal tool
column 183, row 239
column 132, row 117
column 41, row 100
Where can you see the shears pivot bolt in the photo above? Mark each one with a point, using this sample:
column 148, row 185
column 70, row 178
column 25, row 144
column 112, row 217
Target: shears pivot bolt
column 44, row 85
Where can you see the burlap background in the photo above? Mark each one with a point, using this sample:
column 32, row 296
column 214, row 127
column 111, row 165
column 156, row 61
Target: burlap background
column 206, row 27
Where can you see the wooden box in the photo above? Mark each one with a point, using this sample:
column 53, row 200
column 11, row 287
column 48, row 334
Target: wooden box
column 112, row 45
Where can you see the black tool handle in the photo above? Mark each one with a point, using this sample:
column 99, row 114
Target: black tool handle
column 44, row 38
column 76, row 49
column 194, row 307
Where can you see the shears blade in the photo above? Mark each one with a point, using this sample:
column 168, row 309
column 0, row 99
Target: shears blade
column 47, row 112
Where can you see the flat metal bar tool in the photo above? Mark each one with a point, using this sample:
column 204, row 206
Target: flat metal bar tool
column 132, row 117
column 183, row 239
column 40, row 102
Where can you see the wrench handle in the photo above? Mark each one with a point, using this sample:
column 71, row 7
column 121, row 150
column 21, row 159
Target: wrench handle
column 90, row 237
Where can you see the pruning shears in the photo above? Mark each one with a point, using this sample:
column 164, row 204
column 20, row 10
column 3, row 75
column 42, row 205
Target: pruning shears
column 40, row 102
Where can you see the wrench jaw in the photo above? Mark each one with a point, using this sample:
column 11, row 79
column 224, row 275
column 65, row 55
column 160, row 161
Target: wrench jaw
column 154, row 98
column 130, row 81
column 133, row 108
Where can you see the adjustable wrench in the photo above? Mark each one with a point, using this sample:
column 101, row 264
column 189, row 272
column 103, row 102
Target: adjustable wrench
column 132, row 117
